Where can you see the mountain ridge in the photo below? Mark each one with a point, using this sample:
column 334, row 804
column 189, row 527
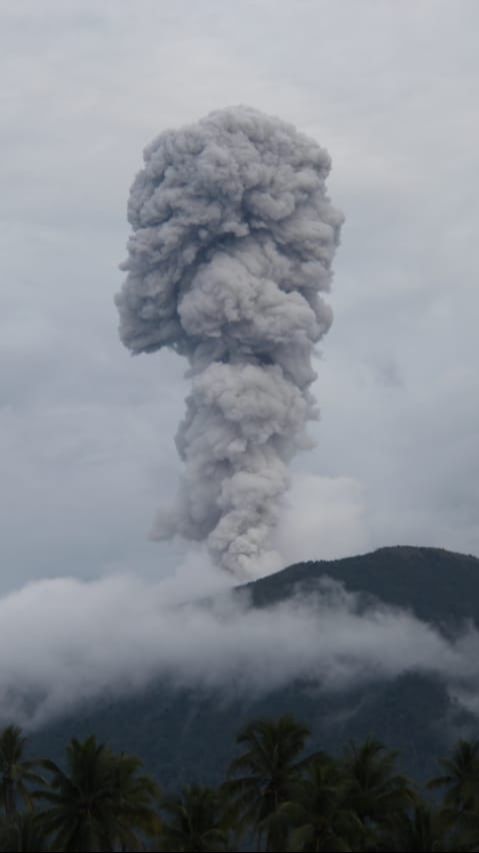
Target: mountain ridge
column 187, row 734
column 390, row 573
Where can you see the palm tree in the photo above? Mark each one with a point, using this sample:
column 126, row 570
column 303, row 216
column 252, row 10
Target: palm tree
column 22, row 833
column 421, row 831
column 460, row 808
column 318, row 816
column 374, row 791
column 461, row 777
column 99, row 802
column 463, row 833
column 198, row 819
column 266, row 772
column 79, row 815
column 134, row 797
column 16, row 773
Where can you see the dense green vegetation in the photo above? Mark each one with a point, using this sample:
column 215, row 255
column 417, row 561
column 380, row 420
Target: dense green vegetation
column 277, row 796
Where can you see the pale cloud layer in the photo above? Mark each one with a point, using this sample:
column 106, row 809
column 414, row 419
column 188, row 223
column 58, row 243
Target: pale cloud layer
column 86, row 433
column 66, row 641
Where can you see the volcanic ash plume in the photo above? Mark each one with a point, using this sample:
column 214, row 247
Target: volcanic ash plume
column 233, row 239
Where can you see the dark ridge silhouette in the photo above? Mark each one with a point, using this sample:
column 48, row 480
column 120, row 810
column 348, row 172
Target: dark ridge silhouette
column 437, row 585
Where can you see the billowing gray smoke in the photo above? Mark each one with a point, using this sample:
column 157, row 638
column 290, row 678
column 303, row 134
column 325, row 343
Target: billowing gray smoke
column 233, row 239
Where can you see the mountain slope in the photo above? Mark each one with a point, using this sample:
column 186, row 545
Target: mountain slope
column 185, row 735
column 437, row 585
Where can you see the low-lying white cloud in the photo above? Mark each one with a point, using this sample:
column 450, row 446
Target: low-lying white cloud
column 67, row 640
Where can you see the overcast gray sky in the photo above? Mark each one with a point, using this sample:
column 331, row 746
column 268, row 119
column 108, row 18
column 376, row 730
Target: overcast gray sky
column 87, row 431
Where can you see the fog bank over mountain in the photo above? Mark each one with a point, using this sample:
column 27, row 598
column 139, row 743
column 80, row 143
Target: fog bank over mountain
column 67, row 641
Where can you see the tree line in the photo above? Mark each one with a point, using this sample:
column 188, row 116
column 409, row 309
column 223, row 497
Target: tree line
column 275, row 797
